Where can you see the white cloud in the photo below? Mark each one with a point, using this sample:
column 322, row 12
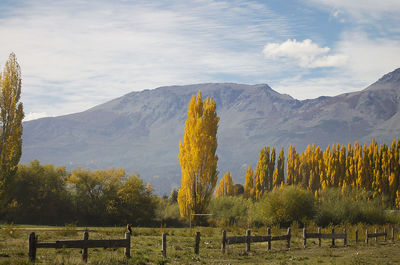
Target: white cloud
column 35, row 115
column 306, row 53
column 368, row 59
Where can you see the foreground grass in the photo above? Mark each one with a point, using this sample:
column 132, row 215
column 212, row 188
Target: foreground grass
column 146, row 247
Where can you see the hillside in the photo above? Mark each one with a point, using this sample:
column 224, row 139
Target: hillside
column 141, row 130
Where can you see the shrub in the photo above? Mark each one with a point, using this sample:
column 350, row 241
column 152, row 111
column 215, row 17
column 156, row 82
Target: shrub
column 228, row 210
column 167, row 213
column 287, row 204
column 349, row 207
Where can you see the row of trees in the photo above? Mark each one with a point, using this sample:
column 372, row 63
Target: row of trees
column 369, row 168
column 42, row 194
column 266, row 176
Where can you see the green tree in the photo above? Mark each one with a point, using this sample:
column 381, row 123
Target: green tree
column 105, row 197
column 11, row 115
column 39, row 196
column 197, row 157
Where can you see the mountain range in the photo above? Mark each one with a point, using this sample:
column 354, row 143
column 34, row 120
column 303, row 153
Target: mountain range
column 141, row 131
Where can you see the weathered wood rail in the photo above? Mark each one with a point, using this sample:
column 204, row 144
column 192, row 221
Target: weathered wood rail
column 376, row 235
column 248, row 239
column 320, row 236
column 83, row 244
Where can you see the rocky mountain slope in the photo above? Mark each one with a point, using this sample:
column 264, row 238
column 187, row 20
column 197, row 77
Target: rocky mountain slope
column 141, row 130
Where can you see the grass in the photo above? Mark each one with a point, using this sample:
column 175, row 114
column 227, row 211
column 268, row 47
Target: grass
column 146, row 247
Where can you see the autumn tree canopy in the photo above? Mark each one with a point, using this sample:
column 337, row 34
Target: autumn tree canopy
column 197, row 156
column 11, row 115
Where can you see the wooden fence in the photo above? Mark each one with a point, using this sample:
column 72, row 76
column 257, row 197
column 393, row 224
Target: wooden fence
column 320, row 236
column 376, row 235
column 83, row 244
column 248, row 239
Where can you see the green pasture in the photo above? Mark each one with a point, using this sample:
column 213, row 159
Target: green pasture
column 146, row 247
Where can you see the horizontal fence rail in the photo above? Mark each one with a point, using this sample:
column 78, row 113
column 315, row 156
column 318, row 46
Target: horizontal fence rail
column 376, row 235
column 248, row 239
column 83, row 244
column 320, row 236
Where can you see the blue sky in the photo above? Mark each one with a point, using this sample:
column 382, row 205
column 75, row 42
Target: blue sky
column 75, row 54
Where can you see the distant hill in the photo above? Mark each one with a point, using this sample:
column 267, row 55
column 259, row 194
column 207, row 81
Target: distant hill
column 141, row 130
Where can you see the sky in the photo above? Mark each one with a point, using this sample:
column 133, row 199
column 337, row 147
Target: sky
column 75, row 54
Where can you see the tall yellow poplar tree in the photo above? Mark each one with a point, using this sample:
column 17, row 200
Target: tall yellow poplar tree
column 261, row 173
column 197, row 157
column 11, row 115
column 279, row 173
column 249, row 191
column 225, row 186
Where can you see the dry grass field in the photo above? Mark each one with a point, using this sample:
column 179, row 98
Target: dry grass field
column 146, row 247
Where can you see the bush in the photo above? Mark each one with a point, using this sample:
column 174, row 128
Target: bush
column 228, row 210
column 167, row 213
column 287, row 204
column 349, row 207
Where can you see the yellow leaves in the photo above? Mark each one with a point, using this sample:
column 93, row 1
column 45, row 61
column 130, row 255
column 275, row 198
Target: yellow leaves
column 397, row 200
column 197, row 156
column 249, row 190
column 225, row 186
column 11, row 115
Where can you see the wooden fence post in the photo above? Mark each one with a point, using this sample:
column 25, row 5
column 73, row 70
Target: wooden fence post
column 128, row 245
column 223, row 242
column 269, row 238
column 248, row 235
column 385, row 236
column 289, row 235
column 319, row 236
column 197, row 243
column 376, row 231
column 366, row 236
column 304, row 237
column 356, row 235
column 85, row 250
column 32, row 247
column 333, row 239
column 164, row 244
column 345, row 237
column 392, row 234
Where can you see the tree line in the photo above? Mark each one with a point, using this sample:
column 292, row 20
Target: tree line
column 369, row 168
column 43, row 194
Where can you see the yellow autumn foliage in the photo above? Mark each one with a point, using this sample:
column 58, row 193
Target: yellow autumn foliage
column 197, row 156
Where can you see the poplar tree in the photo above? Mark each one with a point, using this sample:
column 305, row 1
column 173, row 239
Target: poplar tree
column 261, row 173
column 11, row 115
column 225, row 186
column 279, row 173
column 271, row 168
column 197, row 156
column 292, row 166
column 249, row 190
